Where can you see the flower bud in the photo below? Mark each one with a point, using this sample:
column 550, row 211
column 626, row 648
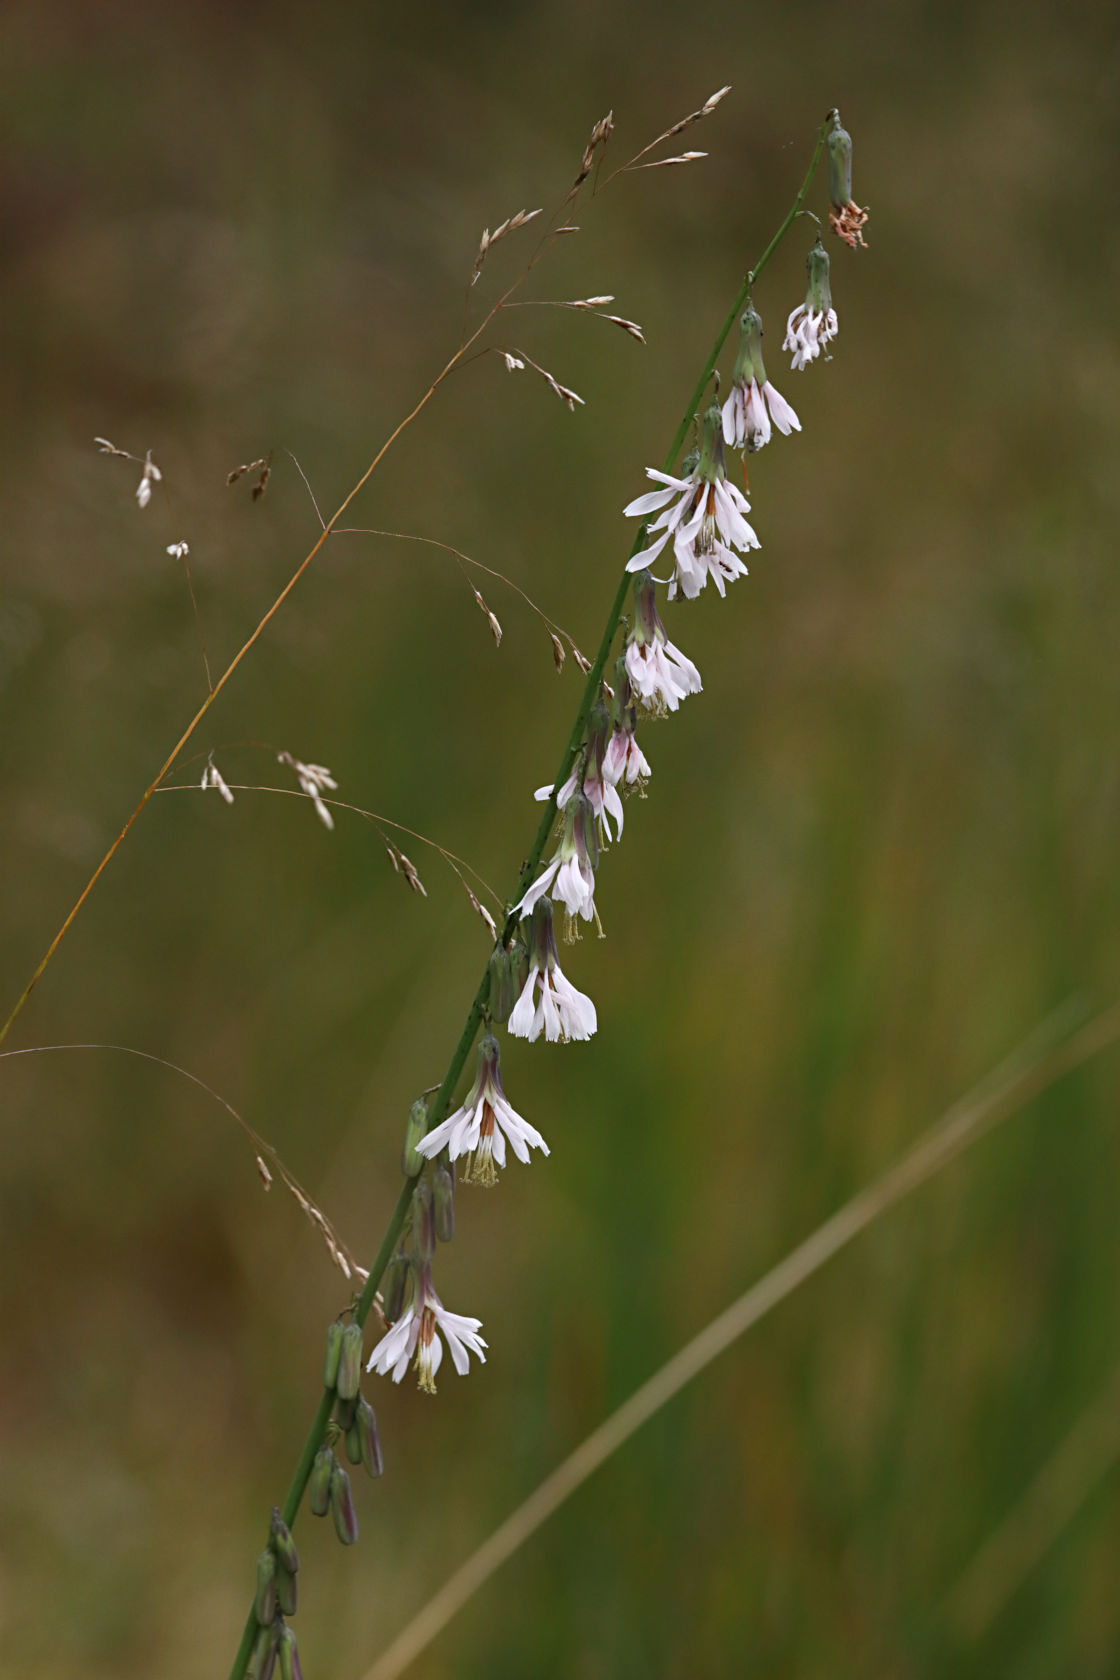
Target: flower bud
column 287, row 1592
column 417, row 1125
column 393, row 1286
column 349, row 1375
column 262, row 1664
column 264, row 1604
column 542, row 939
column 443, row 1202
column 839, row 164
column 290, row 1668
column 319, row 1482
column 818, row 297
column 423, row 1224
column 503, row 993
column 749, row 363
column 283, row 1544
column 353, row 1441
column 712, row 464
column 345, row 1411
column 342, row 1506
column 334, row 1349
column 366, row 1425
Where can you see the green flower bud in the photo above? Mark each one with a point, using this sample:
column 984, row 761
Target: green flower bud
column 264, row 1604
column 839, row 164
column 290, row 1668
column 366, row 1425
column 287, row 1592
column 354, row 1442
column 344, row 1412
column 342, row 1507
column 393, row 1286
column 334, row 1349
column 349, row 1375
column 411, row 1160
column 319, row 1482
column 423, row 1224
column 443, row 1202
column 283, row 1544
column 263, row 1661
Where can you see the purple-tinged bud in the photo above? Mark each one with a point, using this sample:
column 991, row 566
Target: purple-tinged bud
column 353, row 1442
column 622, row 706
column 393, row 1286
column 423, row 1222
column 366, row 1425
column 319, row 1482
column 342, row 1507
column 598, row 734
column 839, row 164
column 417, row 1125
column 542, row 939
column 283, row 1544
column 648, row 627
column 443, row 1202
column 331, row 1357
column 349, row 1377
column 290, row 1667
column 264, row 1604
column 287, row 1592
column 503, row 992
column 262, row 1664
column 580, row 839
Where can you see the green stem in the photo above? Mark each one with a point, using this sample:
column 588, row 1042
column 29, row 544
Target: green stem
column 442, row 1101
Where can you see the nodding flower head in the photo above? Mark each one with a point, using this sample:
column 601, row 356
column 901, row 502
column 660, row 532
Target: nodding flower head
column 812, row 324
column 624, row 763
column 590, row 774
column 754, row 402
column 415, row 1333
column 571, row 873
column 660, row 674
column 702, row 513
column 845, row 215
column 549, row 1003
column 484, row 1123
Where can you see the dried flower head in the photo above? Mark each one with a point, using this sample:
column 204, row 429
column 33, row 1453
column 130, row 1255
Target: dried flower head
column 313, row 779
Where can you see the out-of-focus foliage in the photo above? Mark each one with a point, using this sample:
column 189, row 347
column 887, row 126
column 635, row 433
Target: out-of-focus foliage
column 877, row 849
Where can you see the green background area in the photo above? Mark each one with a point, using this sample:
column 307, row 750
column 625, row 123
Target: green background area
column 877, row 850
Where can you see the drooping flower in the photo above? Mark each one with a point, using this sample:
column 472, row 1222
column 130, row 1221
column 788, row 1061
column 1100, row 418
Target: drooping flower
column 590, row 772
column 571, row 873
column 754, row 402
column 845, row 215
column 549, row 1002
column 624, row 762
column 151, row 475
column 812, row 324
column 313, row 779
column 660, row 674
column 705, row 518
column 484, row 1123
column 415, row 1333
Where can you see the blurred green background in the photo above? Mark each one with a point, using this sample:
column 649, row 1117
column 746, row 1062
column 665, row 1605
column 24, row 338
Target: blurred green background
column 877, row 849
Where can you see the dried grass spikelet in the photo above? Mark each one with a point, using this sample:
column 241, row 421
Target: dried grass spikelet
column 405, row 866
column 510, row 225
column 262, row 465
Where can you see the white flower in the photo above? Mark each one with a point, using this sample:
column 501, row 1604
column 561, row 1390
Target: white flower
column 754, row 402
column 812, row 324
column 549, row 1002
column 212, row 778
column 598, row 788
column 179, row 550
column 415, row 1333
column 706, row 519
column 570, row 876
column 482, row 1125
column 312, row 778
column 625, row 761
column 660, row 675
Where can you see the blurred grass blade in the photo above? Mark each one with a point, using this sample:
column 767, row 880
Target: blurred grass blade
column 1037, row 1520
column 1037, row 1063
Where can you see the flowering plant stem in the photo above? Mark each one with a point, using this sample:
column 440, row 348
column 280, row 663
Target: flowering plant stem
column 442, row 1100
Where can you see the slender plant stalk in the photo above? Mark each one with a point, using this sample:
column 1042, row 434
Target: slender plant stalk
column 442, row 1101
